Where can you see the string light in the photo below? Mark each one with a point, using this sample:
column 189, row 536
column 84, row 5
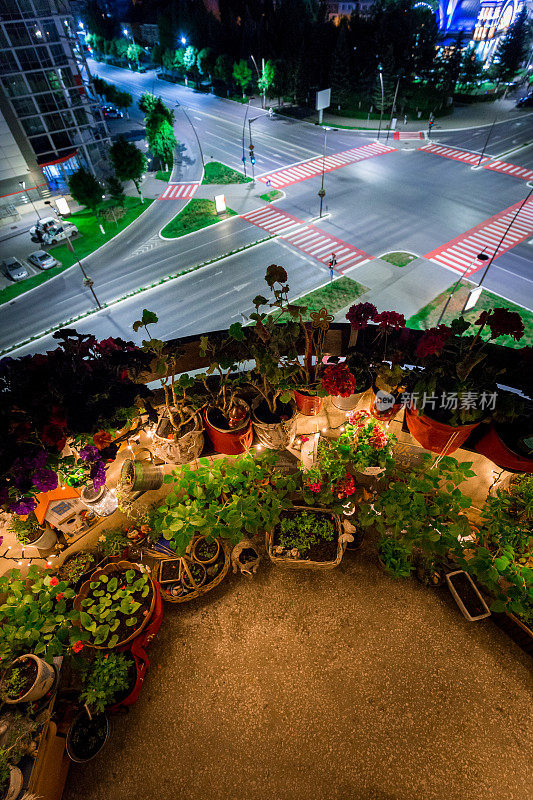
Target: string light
column 342, row 429
column 259, row 446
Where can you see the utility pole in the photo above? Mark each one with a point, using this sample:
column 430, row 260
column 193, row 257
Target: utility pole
column 86, row 280
column 380, row 72
column 178, row 105
column 243, row 134
column 393, row 108
column 251, row 146
column 322, row 191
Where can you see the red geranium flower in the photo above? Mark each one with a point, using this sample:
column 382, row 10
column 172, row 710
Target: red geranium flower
column 54, row 581
column 502, row 322
column 60, row 596
column 315, row 487
column 345, row 487
column 77, row 646
column 359, row 418
column 360, row 315
column 54, row 436
column 390, row 319
column 378, row 439
column 338, row 380
column 102, row 439
column 432, row 341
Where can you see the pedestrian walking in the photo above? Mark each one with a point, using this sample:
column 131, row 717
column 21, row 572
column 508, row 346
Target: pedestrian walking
column 405, row 119
column 332, row 265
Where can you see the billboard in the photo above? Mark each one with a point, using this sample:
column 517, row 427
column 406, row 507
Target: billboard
column 323, row 99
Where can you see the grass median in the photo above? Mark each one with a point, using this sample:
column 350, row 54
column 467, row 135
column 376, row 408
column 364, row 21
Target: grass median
column 429, row 315
column 89, row 240
column 215, row 172
column 196, row 215
column 333, row 297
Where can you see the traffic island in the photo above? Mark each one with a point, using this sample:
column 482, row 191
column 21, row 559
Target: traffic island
column 196, row 215
column 215, row 172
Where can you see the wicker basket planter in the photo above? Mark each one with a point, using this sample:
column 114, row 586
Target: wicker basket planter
column 181, row 450
column 112, row 569
column 274, row 435
column 223, row 559
column 305, row 563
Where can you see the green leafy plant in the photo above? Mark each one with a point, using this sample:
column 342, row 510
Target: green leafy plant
column 104, row 678
column 36, row 616
column 13, row 683
column 27, row 530
column 111, row 600
column 395, row 554
column 303, row 530
column 72, row 570
column 113, row 543
column 229, row 498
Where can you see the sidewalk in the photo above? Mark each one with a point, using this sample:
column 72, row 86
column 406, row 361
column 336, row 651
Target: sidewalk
column 404, row 289
column 28, row 217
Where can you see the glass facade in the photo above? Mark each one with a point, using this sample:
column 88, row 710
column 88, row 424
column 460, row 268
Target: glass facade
column 45, row 79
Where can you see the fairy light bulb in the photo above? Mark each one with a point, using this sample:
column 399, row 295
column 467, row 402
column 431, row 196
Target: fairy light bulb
column 342, row 428
column 324, row 430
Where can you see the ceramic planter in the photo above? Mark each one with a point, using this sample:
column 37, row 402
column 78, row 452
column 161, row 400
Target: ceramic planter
column 196, row 547
column 467, row 596
column 44, row 680
column 182, row 449
column 384, row 415
column 307, row 404
column 15, row 783
column 436, row 436
column 46, row 540
column 492, row 446
column 230, row 441
column 274, row 435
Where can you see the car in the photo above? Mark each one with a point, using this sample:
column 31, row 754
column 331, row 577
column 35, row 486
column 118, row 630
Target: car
column 112, row 113
column 14, row 270
column 525, row 102
column 42, row 260
column 50, row 231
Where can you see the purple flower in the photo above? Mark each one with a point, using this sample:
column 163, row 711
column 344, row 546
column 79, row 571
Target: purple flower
column 89, row 453
column 97, row 474
column 23, row 506
column 44, row 479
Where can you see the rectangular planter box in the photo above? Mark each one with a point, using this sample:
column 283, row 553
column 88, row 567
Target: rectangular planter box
column 520, row 633
column 485, row 613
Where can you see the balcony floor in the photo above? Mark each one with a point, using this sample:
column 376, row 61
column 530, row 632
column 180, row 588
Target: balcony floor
column 342, row 685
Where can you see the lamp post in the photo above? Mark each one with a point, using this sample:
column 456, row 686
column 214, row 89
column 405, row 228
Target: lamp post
column 129, row 34
column 380, row 72
column 258, row 80
column 393, row 107
column 26, row 192
column 243, row 133
column 86, row 280
column 322, row 191
column 482, row 257
column 178, row 105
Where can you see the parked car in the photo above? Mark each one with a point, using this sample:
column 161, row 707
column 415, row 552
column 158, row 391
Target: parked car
column 42, row 260
column 525, row 102
column 14, row 270
column 51, row 231
column 112, row 113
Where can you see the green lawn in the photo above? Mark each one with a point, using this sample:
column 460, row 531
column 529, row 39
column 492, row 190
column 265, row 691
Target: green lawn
column 215, row 172
column 272, row 195
column 163, row 176
column 196, row 215
column 333, row 297
column 399, row 258
column 90, row 239
column 428, row 316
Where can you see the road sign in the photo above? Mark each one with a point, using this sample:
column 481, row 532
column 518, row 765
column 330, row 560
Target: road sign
column 323, row 99
column 243, row 159
column 269, row 182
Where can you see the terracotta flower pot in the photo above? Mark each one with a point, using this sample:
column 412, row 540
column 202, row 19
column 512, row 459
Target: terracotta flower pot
column 230, row 441
column 493, row 447
column 383, row 415
column 436, row 436
column 307, row 404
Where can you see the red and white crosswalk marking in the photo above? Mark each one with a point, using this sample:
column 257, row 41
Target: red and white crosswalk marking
column 459, row 254
column 408, row 135
column 321, row 246
column 179, row 191
column 308, row 169
column 272, row 220
column 510, row 169
column 452, row 152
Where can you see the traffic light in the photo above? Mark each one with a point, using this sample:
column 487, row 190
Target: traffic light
column 252, row 157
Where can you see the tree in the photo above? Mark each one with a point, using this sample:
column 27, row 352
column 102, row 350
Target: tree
column 123, row 99
column 224, row 68
column 340, row 71
column 160, row 134
column 189, row 58
column 134, row 52
column 242, row 74
column 128, row 162
column 85, row 189
column 471, row 68
column 116, row 190
column 512, row 48
column 205, row 61
column 266, row 81
column 157, row 53
column 173, row 60
column 147, row 103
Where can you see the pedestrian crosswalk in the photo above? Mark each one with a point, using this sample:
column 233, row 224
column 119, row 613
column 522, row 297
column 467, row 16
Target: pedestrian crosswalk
column 322, row 246
column 179, row 191
column 459, row 255
column 272, row 220
column 510, row 169
column 408, row 135
column 307, row 169
column 453, row 152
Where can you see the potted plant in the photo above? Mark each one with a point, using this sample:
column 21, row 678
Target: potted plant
column 78, row 566
column 178, row 437
column 36, row 616
column 27, row 678
column 205, row 550
column 390, row 382
column 114, row 543
column 394, row 556
column 370, row 442
column 341, row 385
column 508, row 439
column 307, row 538
column 104, row 679
column 282, row 329
column 115, row 605
column 29, row 532
column 453, row 385
column 86, row 736
column 226, row 499
column 10, row 776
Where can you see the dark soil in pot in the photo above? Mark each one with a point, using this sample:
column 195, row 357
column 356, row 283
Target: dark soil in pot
column 284, row 412
column 28, row 674
column 77, row 573
column 166, row 431
column 514, row 435
column 246, row 555
column 198, row 572
column 466, row 592
column 205, row 550
column 218, row 420
column 87, row 737
column 170, row 570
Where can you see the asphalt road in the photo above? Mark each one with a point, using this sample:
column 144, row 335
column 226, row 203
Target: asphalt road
column 504, row 136
column 404, row 200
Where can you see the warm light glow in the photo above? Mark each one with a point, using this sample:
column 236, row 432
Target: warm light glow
column 324, row 430
column 259, row 446
column 342, row 428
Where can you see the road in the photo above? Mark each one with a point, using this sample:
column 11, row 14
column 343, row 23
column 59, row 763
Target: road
column 405, row 200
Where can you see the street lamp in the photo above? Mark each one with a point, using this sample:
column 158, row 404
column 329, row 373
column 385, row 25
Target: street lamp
column 243, row 134
column 393, row 109
column 380, row 72
column 26, row 192
column 322, row 191
column 183, row 40
column 178, row 105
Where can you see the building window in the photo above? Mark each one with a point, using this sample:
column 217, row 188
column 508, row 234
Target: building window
column 15, row 86
column 24, row 107
column 33, row 126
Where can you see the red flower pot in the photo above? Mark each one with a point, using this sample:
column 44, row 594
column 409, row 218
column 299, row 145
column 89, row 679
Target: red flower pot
column 436, row 436
column 141, row 668
column 383, row 416
column 230, row 442
column 493, row 447
column 307, row 404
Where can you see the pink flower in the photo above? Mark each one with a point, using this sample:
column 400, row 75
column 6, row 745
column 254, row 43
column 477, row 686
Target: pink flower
column 378, row 440
column 359, row 418
column 77, row 646
column 304, row 439
column 54, row 581
column 315, row 487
